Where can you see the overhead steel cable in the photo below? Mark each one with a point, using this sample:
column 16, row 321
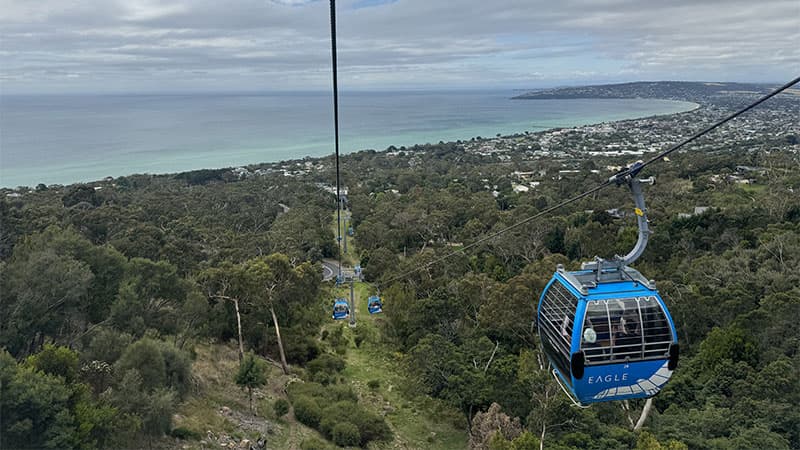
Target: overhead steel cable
column 336, row 136
column 632, row 171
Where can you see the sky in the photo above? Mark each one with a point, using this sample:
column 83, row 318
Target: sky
column 76, row 46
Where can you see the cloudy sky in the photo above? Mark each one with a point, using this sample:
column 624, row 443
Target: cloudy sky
column 190, row 45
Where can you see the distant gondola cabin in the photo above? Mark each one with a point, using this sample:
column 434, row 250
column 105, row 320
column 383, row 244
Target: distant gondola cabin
column 608, row 337
column 374, row 305
column 341, row 309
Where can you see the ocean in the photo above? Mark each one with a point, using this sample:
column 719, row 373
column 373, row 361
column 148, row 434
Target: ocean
column 74, row 138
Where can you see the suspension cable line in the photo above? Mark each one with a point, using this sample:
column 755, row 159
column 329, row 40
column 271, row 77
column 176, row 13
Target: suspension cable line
column 336, row 136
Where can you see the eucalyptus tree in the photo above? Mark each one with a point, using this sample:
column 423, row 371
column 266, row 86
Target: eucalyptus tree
column 268, row 288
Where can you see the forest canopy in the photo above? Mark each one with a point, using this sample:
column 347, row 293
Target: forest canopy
column 109, row 289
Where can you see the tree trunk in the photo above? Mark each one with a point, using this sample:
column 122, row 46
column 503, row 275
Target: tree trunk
column 627, row 408
column 239, row 325
column 250, row 394
column 491, row 358
column 645, row 411
column 284, row 366
column 541, row 438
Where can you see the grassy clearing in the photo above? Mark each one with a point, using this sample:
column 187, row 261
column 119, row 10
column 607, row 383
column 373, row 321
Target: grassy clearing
column 418, row 422
column 754, row 188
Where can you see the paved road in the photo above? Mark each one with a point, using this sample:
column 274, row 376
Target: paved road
column 330, row 267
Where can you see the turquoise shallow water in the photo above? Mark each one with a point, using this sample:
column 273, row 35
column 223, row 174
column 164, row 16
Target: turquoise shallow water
column 64, row 139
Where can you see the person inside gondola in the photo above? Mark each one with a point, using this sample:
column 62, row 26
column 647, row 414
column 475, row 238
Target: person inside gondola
column 625, row 339
column 596, row 319
column 592, row 349
column 603, row 333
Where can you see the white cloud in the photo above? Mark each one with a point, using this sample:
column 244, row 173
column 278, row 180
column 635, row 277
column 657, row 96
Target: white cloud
column 284, row 44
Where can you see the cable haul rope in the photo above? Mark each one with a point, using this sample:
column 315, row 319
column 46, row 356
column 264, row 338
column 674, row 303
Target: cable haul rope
column 336, row 135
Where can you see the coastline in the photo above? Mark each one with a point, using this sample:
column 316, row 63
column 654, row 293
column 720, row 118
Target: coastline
column 183, row 162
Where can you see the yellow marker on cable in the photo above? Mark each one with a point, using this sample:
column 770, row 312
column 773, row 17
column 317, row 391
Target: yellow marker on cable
column 638, row 212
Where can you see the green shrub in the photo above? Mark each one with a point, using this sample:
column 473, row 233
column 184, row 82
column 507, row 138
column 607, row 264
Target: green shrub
column 307, row 411
column 177, row 366
column 336, row 338
column 184, row 434
column 322, row 378
column 107, row 345
column 334, row 414
column 341, row 392
column 326, row 363
column 345, row 434
column 313, row 390
column 58, row 361
column 313, row 443
column 371, row 426
column 363, row 334
column 300, row 347
column 374, row 384
column 145, row 357
column 281, row 407
column 325, row 368
column 525, row 441
column 342, row 406
column 160, row 363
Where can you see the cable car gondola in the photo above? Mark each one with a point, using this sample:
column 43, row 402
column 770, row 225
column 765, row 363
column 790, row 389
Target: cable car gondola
column 341, row 309
column 374, row 305
column 605, row 328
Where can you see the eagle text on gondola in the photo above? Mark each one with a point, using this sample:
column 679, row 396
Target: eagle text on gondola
column 608, row 378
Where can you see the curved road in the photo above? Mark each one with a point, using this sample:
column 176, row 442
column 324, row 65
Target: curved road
column 330, row 267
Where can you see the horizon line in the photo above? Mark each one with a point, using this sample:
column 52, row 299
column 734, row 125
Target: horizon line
column 359, row 90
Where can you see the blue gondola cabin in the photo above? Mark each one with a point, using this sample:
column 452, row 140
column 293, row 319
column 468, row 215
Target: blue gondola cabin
column 341, row 309
column 607, row 336
column 374, row 305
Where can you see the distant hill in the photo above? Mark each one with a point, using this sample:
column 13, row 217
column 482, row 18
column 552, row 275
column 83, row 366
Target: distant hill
column 673, row 90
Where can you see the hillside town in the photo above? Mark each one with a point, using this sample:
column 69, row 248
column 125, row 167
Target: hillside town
column 778, row 119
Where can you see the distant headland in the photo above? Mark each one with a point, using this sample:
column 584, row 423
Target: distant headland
column 694, row 91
